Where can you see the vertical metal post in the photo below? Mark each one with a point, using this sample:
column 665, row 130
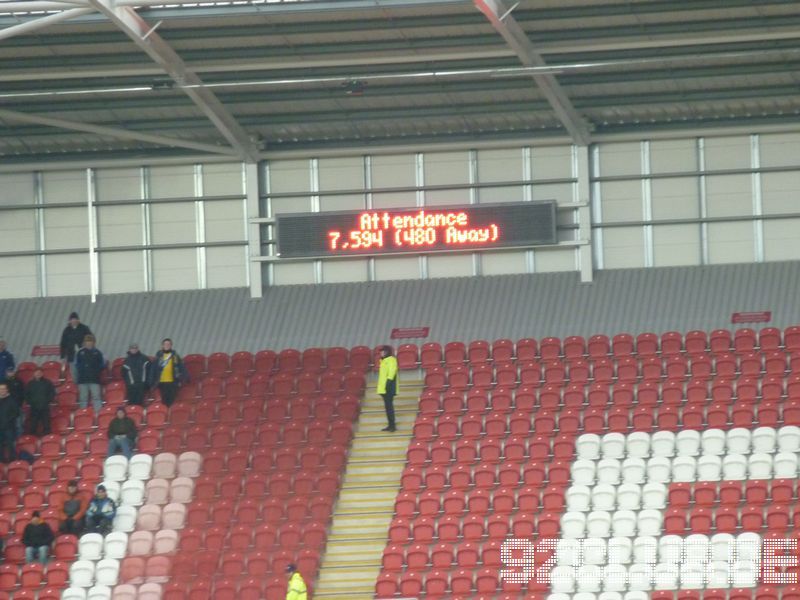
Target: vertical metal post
column 270, row 228
column 647, row 203
column 94, row 278
column 253, row 229
column 596, row 205
column 369, row 205
column 582, row 194
column 313, row 168
column 41, row 240
column 527, row 196
column 147, row 229
column 758, row 207
column 200, row 227
column 477, row 265
column 419, row 181
column 702, row 189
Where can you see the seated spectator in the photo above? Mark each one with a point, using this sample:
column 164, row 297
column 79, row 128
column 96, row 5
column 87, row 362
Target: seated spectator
column 73, row 510
column 136, row 373
column 9, row 411
column 6, row 358
column 37, row 538
column 121, row 434
column 168, row 372
column 39, row 393
column 101, row 512
column 89, row 363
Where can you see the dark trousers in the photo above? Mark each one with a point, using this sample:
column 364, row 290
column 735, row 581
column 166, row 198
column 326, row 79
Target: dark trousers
column 8, row 440
column 39, row 417
column 168, row 392
column 388, row 404
column 71, row 526
column 136, row 393
column 98, row 524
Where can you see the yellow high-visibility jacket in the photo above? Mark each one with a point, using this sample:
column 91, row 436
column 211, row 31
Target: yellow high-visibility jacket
column 297, row 588
column 388, row 370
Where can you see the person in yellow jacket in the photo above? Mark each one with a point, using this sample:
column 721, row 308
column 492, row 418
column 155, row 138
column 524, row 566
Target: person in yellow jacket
column 387, row 385
column 297, row 586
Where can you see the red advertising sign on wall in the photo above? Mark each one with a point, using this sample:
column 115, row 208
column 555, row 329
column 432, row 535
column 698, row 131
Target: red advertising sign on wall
column 759, row 316
column 402, row 333
column 46, row 350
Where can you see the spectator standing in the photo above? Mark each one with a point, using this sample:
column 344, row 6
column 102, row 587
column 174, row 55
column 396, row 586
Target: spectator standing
column 297, row 586
column 121, row 434
column 168, row 372
column 101, row 512
column 73, row 510
column 37, row 537
column 71, row 341
column 39, row 393
column 8, row 424
column 387, row 385
column 136, row 373
column 17, row 391
column 90, row 363
column 6, row 358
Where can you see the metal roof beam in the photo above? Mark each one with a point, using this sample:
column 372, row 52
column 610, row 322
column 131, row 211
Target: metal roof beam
column 503, row 22
column 41, row 22
column 147, row 39
column 124, row 134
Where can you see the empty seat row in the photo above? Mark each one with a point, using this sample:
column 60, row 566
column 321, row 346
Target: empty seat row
column 732, row 493
column 621, row 345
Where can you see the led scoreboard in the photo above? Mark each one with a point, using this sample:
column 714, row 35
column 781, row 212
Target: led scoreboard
column 416, row 230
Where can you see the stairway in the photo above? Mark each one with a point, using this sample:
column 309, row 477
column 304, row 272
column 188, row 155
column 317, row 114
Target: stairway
column 365, row 507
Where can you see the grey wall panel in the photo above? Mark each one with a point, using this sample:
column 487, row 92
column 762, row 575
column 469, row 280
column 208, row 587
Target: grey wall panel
column 67, row 274
column 172, row 181
column 173, row 223
column 673, row 156
column 455, row 309
column 118, row 184
column 121, row 272
column 174, row 269
column 64, row 186
column 779, row 149
column 17, row 230
column 66, row 228
column 223, row 179
column 226, row 267
column 551, row 162
column 17, row 277
column 727, row 153
column 225, row 220
column 119, row 225
column 341, row 173
column 16, row 188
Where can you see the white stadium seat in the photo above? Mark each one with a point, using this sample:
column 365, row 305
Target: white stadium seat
column 107, row 572
column 629, row 496
column 666, row 576
column 615, row 578
column 125, row 519
column 90, row 546
column 737, row 440
column 670, row 548
column 789, row 438
column 684, row 469
column 613, row 445
column 132, row 493
column 693, row 575
column 598, row 524
column 709, row 468
column 115, row 545
column 638, row 445
column 640, row 577
column 578, row 498
column 140, row 467
column 713, row 442
column 569, row 552
column 620, row 550
column 785, row 465
column 589, row 578
column 635, row 595
column 734, row 467
column 81, row 574
column 662, row 443
column 112, row 489
column 687, row 443
column 759, row 466
column 649, row 522
column 608, row 471
column 634, row 470
column 115, row 468
column 604, row 497
column 595, row 551
column 562, row 580
column 645, row 549
column 573, row 525
column 623, row 523
column 764, row 439
column 583, row 472
column 654, row 495
column 74, row 593
column 99, row 592
column 659, row 469
column 587, row 446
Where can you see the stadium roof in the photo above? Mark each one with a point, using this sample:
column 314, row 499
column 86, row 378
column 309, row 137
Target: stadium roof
column 98, row 79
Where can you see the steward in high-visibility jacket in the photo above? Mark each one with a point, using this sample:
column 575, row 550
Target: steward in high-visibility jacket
column 387, row 384
column 297, row 586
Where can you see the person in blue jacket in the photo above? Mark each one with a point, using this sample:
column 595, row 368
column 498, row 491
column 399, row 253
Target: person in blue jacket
column 6, row 358
column 101, row 512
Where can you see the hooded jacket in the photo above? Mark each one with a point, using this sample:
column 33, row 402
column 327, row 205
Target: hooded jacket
column 297, row 588
column 90, row 363
column 104, row 507
column 387, row 372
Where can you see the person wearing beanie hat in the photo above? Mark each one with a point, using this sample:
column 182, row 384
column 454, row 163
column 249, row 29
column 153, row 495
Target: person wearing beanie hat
column 101, row 512
column 37, row 537
column 39, row 394
column 73, row 510
column 297, row 589
column 90, row 363
column 71, row 341
column 136, row 373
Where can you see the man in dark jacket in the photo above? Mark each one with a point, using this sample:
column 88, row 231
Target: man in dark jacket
column 101, row 512
column 90, row 363
column 8, row 424
column 136, row 373
column 37, row 538
column 17, row 391
column 121, row 434
column 71, row 341
column 168, row 372
column 6, row 358
column 39, row 393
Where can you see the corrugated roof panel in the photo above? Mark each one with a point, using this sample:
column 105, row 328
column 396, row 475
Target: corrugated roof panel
column 456, row 309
